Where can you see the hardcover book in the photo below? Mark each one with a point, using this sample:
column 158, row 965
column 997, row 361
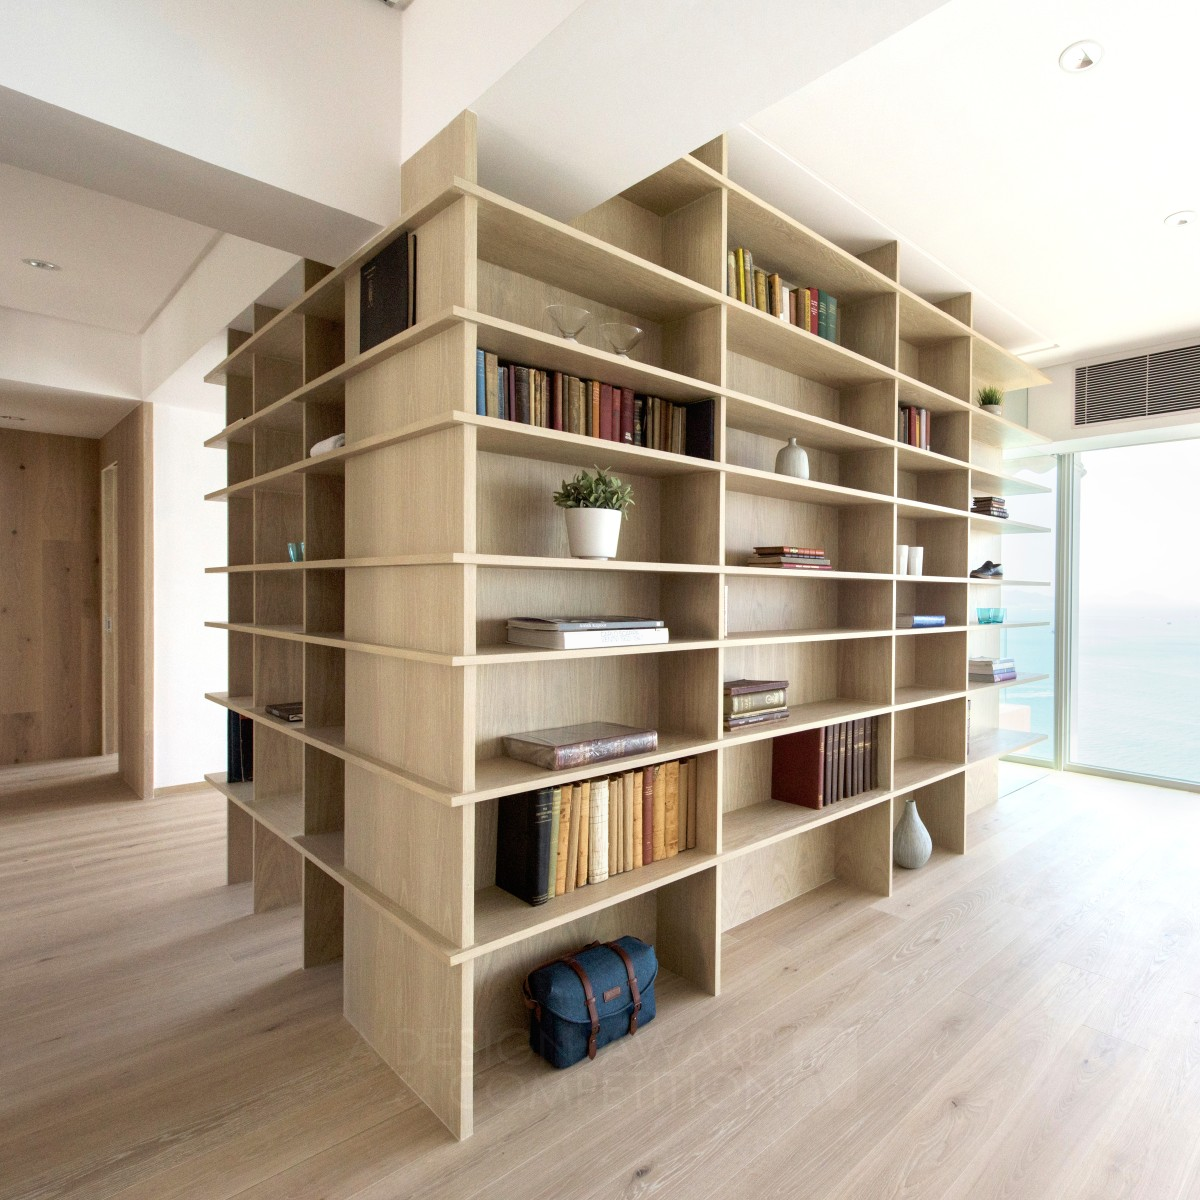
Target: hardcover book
column 523, row 845
column 290, row 710
column 598, row 832
column 742, row 687
column 756, row 718
column 648, row 777
column 578, row 624
column 919, row 621
column 548, row 639
column 384, row 294
column 578, row 745
column 798, row 768
column 239, row 766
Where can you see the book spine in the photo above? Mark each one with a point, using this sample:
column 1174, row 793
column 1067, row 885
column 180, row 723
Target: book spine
column 598, row 833
column 557, row 417
column 671, row 810
column 822, row 314
column 750, row 702
column 774, row 294
column 686, row 766
column 480, row 385
column 660, row 813
column 731, row 288
column 627, row 831
column 648, row 777
column 832, row 318
column 593, row 428
column 606, row 431
column 585, row 833
column 555, row 826
column 614, row 825
column 741, row 274
column 693, row 803
column 570, row 865
column 760, row 289
column 748, row 278
column 564, row 840
column 814, row 310
column 627, row 416
column 636, row 804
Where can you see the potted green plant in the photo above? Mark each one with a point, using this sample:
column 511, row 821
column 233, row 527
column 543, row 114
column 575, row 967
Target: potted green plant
column 595, row 504
column 991, row 399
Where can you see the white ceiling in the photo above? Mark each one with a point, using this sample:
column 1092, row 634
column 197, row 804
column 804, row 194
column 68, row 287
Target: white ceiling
column 121, row 262
column 1043, row 191
column 27, row 408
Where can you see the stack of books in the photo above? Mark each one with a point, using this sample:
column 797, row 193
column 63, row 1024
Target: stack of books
column 989, row 506
column 913, row 427
column 568, row 746
column 556, row 839
column 819, row 767
column 590, row 408
column 991, row 670
column 755, row 702
column 808, row 308
column 790, row 558
column 586, row 633
column 920, row 620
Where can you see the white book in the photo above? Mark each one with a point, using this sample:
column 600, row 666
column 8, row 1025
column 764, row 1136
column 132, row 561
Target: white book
column 598, row 832
column 549, row 639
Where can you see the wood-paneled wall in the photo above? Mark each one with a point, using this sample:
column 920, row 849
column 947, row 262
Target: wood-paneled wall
column 49, row 597
column 130, row 445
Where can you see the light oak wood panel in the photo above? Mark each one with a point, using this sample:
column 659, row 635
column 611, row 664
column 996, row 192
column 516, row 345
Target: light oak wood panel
column 453, row 151
column 323, row 916
column 239, row 397
column 412, row 850
column 674, row 186
column 274, row 378
column 688, row 937
column 624, row 223
column 421, row 608
column 324, row 792
column 694, row 238
column 324, row 686
column 946, row 488
column 414, row 1011
column 324, row 516
column 324, row 346
column 758, row 882
column 807, row 602
column 936, row 732
column 324, row 601
column 714, row 154
column 885, row 259
column 856, row 669
column 860, row 468
column 278, row 672
column 278, row 871
column 870, row 327
column 51, row 684
column 239, row 844
column 446, row 268
column 936, row 664
column 945, row 543
column 939, row 599
column 130, row 444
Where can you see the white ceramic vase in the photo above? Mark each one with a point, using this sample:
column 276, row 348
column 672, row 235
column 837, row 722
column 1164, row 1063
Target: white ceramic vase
column 593, row 532
column 792, row 460
column 911, row 843
column 997, row 410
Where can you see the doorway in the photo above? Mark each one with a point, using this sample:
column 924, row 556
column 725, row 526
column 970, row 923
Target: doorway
column 109, row 574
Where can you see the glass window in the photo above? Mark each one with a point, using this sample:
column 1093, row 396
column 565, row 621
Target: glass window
column 1135, row 658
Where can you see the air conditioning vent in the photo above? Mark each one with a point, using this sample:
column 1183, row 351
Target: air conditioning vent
column 1146, row 386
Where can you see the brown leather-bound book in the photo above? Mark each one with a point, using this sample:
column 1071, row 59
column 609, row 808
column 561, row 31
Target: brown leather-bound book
column 685, row 777
column 564, row 840
column 648, row 776
column 798, row 768
column 594, row 409
column 694, row 804
column 585, row 835
column 627, row 818
column 660, row 812
column 671, row 808
column 636, row 801
column 572, row 863
column 615, row 809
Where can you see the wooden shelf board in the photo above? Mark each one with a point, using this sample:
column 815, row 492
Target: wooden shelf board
column 533, row 562
column 744, row 830
column 551, row 352
column 537, row 246
column 792, row 573
column 804, row 258
column 804, row 716
column 777, row 421
column 922, row 323
column 282, row 414
column 998, row 742
column 979, row 686
column 768, row 637
column 1003, row 434
column 994, row 366
column 503, row 920
column 998, row 483
column 1004, row 582
column 981, row 524
column 497, row 655
column 282, row 815
column 1009, row 625
column 913, row 392
column 919, row 510
column 750, row 482
column 675, row 186
column 769, row 340
column 915, row 772
column 933, row 629
column 913, row 458
column 327, row 850
column 915, row 697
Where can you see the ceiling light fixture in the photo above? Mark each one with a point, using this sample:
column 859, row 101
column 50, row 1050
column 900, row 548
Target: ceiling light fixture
column 1185, row 216
column 1080, row 56
column 8, row 417
column 42, row 264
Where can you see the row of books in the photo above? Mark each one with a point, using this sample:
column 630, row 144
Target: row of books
column 790, row 558
column 912, row 426
column 991, row 670
column 819, row 767
column 586, row 633
column 989, row 506
column 590, row 408
column 809, row 308
column 556, row 839
column 754, row 702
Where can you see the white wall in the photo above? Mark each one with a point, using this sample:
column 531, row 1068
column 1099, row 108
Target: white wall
column 189, row 660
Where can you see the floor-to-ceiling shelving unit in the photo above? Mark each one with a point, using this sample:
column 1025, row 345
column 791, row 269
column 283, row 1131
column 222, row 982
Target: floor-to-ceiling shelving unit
column 433, row 524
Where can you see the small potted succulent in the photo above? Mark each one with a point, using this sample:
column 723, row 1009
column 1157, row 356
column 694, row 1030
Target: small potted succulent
column 991, row 399
column 595, row 504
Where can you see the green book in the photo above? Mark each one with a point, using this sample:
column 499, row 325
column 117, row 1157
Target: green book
column 832, row 319
column 822, row 314
column 555, row 816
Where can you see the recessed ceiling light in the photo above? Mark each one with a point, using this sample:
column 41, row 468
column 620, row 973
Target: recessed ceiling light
column 1185, row 216
column 1080, row 56
column 42, row 264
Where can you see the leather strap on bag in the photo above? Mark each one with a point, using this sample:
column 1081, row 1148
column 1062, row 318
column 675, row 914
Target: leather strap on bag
column 590, row 997
column 634, row 993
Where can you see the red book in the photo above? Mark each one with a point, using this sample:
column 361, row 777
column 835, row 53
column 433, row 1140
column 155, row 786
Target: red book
column 914, row 424
column 556, row 416
column 615, row 421
column 814, row 310
column 648, row 774
column 793, row 551
column 627, row 416
column 605, row 430
column 798, row 768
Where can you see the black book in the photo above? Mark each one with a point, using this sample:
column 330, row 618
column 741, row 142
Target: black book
column 523, row 845
column 287, row 710
column 384, row 295
column 521, row 411
column 240, row 757
column 700, row 431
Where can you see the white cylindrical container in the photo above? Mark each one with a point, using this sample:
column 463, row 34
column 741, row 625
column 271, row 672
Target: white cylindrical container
column 593, row 532
column 901, row 560
column 916, row 559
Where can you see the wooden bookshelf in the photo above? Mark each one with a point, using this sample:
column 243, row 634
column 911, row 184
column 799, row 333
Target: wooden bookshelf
column 378, row 811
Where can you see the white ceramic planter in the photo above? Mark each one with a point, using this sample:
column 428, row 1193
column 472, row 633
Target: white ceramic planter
column 593, row 532
column 997, row 410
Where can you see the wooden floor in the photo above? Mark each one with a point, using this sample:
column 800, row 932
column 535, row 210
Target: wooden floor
column 1020, row 1022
